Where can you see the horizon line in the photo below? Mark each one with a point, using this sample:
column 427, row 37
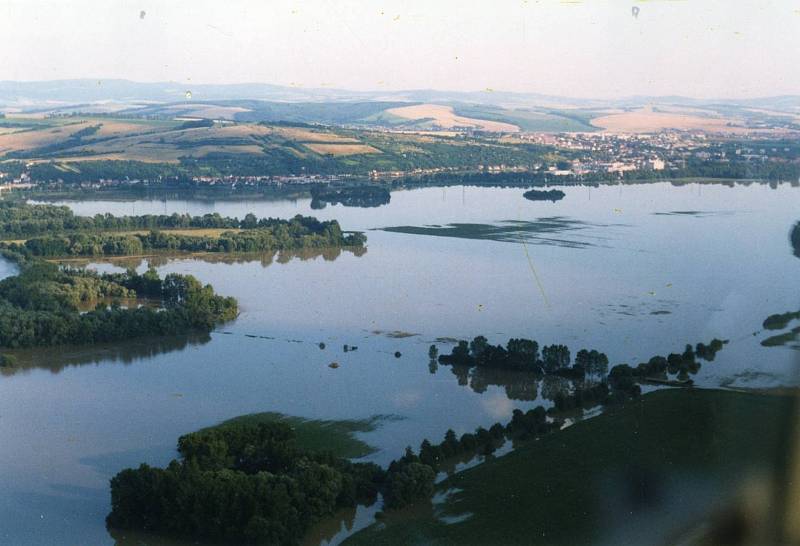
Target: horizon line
column 487, row 91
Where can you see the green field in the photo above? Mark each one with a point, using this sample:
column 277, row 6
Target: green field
column 631, row 475
column 338, row 436
column 547, row 121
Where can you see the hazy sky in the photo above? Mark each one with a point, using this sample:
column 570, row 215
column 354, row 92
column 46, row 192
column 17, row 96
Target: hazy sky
column 727, row 48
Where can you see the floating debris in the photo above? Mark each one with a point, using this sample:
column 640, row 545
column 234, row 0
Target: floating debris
column 322, row 345
column 397, row 354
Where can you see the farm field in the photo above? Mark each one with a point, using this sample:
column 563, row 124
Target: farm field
column 444, row 117
column 648, row 120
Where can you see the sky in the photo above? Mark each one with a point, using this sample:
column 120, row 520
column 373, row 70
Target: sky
column 594, row 48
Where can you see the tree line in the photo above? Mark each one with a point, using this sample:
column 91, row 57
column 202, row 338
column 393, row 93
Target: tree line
column 69, row 235
column 524, row 355
column 615, row 387
column 293, row 235
column 20, row 220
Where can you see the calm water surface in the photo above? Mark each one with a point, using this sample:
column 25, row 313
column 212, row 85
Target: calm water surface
column 633, row 271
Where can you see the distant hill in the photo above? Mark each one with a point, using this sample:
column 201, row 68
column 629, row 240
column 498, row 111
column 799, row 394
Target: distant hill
column 124, row 91
column 409, row 110
column 88, row 148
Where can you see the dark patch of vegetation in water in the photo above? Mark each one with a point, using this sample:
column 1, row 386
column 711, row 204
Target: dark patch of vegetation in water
column 786, row 339
column 693, row 213
column 40, row 306
column 779, row 321
column 544, row 195
column 541, row 231
column 355, row 196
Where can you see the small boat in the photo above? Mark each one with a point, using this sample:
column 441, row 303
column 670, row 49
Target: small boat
column 333, row 365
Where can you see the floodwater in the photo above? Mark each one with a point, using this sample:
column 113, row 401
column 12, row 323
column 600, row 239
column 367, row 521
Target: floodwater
column 631, row 270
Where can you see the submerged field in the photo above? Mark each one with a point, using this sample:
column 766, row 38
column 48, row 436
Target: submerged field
column 338, row 436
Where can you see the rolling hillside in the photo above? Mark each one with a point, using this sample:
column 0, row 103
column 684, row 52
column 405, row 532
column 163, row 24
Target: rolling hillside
column 83, row 147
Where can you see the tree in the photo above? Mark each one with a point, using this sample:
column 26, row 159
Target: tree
column 522, row 353
column 430, row 455
column 553, row 386
column 450, row 445
column 555, row 357
column 409, row 484
column 250, row 221
column 460, row 353
column 478, row 347
column 592, row 362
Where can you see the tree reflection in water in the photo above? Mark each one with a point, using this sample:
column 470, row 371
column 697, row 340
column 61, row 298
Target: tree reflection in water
column 266, row 259
column 58, row 358
column 518, row 385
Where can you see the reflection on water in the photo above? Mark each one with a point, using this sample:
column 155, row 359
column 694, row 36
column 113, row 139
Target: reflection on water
column 360, row 196
column 56, row 359
column 515, row 384
column 266, row 259
column 336, row 529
